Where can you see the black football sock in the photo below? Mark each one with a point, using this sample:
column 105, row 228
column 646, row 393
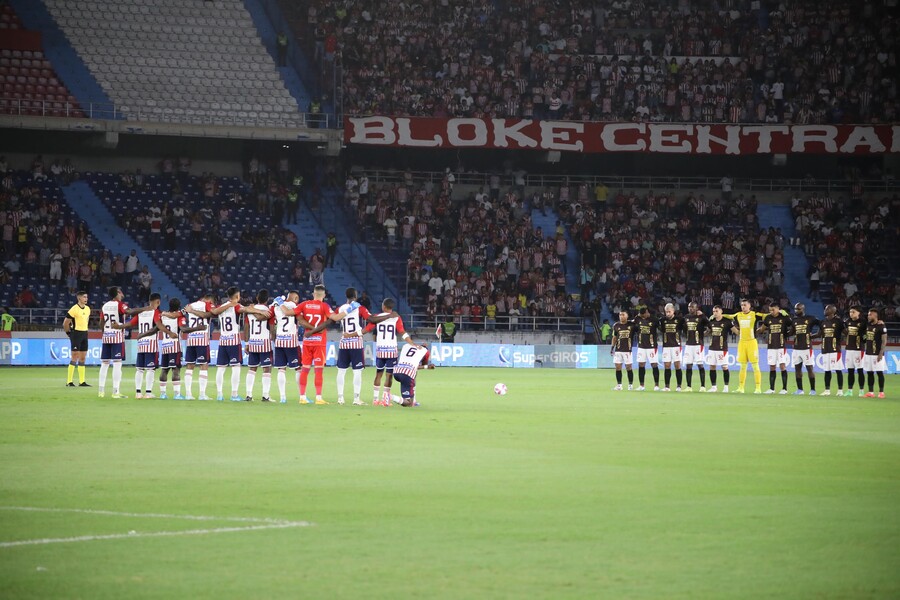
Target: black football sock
column 726, row 375
column 784, row 380
column 712, row 376
column 668, row 376
column 619, row 377
column 812, row 380
column 827, row 380
column 861, row 376
column 642, row 372
column 881, row 381
column 630, row 377
column 799, row 377
column 871, row 381
column 851, row 378
column 771, row 380
column 678, row 377
column 690, row 376
column 702, row 378
column 656, row 376
column 840, row 379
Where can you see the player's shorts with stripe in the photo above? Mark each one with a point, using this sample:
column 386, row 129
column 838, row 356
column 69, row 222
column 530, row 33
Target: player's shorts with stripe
column 717, row 358
column 196, row 354
column 351, row 357
column 804, row 357
column 854, row 359
column 385, row 364
column 407, row 385
column 748, row 351
column 776, row 356
column 170, row 360
column 693, row 355
column 832, row 361
column 313, row 355
column 285, row 357
column 229, row 356
column 622, row 358
column 646, row 355
column 872, row 364
column 78, row 340
column 112, row 351
column 671, row 354
column 147, row 360
column 259, row 359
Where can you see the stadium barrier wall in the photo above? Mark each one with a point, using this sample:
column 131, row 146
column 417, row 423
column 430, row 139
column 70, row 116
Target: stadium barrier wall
column 47, row 351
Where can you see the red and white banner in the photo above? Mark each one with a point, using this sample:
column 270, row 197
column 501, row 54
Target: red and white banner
column 580, row 136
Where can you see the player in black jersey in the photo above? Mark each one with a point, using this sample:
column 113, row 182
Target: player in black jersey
column 832, row 329
column 873, row 361
column 647, row 345
column 695, row 326
column 853, row 350
column 776, row 326
column 719, row 330
column 624, row 333
column 671, row 327
column 803, row 325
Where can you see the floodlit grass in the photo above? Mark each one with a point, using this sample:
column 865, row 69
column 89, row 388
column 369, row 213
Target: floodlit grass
column 560, row 489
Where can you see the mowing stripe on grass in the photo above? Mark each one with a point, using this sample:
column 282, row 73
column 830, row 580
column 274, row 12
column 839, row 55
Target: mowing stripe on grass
column 112, row 513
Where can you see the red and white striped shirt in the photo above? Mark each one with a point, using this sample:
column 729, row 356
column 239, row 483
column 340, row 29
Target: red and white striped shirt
column 286, row 332
column 145, row 322
column 230, row 329
column 352, row 327
column 171, row 345
column 199, row 338
column 112, row 314
column 259, row 339
column 386, row 334
column 409, row 360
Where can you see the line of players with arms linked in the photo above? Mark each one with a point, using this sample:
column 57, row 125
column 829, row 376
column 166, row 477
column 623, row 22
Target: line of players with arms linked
column 863, row 339
column 269, row 330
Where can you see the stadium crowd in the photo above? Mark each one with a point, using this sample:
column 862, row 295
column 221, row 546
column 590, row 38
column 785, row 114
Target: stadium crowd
column 694, row 60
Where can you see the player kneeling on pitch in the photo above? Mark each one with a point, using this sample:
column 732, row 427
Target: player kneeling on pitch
column 411, row 357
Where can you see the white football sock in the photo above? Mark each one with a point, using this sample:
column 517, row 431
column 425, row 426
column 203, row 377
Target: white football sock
column 282, row 382
column 266, row 384
column 150, row 377
column 104, row 367
column 251, row 379
column 176, row 385
column 220, row 380
column 188, row 380
column 138, row 380
column 340, row 382
column 357, row 383
column 236, row 381
column 203, row 379
column 117, row 375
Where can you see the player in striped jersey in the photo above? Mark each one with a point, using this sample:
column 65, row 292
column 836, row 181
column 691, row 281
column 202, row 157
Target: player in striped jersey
column 259, row 345
column 148, row 322
column 229, row 354
column 197, row 351
column 286, row 353
column 113, row 349
column 386, row 333
column 350, row 349
column 411, row 356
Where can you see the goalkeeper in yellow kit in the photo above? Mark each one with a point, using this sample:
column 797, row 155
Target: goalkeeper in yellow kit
column 748, row 349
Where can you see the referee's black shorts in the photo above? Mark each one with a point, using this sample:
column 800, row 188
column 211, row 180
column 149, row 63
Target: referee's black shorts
column 79, row 340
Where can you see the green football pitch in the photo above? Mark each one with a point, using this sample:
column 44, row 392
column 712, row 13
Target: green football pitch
column 561, row 489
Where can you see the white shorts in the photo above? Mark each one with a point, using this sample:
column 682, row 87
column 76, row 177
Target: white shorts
column 693, row 355
column 717, row 358
column 832, row 361
column 670, row 355
column 872, row 364
column 777, row 356
column 622, row 358
column 854, row 359
column 645, row 355
column 802, row 357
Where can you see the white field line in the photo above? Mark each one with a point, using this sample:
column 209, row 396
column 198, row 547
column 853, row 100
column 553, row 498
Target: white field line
column 261, row 523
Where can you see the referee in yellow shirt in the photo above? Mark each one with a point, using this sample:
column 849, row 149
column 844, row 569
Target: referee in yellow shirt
column 76, row 327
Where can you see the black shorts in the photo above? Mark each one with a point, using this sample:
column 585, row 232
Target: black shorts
column 79, row 340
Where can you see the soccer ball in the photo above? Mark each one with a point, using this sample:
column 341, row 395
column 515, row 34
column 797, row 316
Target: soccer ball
column 500, row 389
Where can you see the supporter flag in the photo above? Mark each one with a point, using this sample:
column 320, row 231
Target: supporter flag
column 439, row 331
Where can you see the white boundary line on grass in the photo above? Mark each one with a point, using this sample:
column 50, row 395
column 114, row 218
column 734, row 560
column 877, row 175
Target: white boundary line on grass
column 261, row 523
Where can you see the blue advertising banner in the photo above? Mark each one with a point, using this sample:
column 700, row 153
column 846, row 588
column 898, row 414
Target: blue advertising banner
column 55, row 351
